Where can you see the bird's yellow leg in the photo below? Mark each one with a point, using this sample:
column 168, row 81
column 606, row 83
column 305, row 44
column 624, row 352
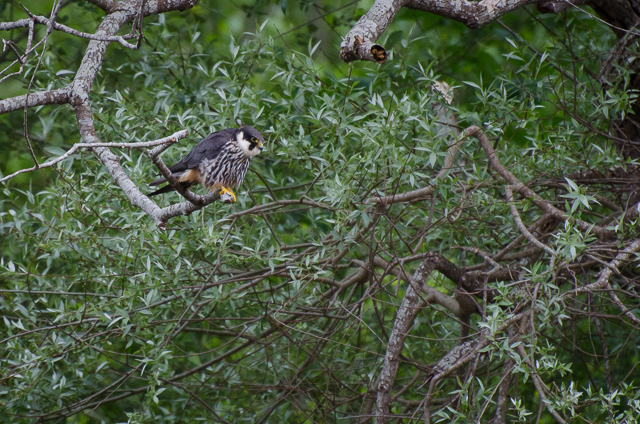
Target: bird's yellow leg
column 227, row 190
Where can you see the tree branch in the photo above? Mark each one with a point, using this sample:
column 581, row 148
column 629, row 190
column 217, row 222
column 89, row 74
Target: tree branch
column 39, row 98
column 433, row 295
column 517, row 185
column 112, row 163
column 63, row 28
column 359, row 43
column 523, row 229
column 471, row 13
column 166, row 141
column 22, row 59
column 79, row 92
column 396, row 339
column 605, row 274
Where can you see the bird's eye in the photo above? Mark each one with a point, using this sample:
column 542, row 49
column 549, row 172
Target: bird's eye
column 254, row 139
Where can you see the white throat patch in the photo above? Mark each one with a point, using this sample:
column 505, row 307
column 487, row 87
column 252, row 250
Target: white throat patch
column 244, row 145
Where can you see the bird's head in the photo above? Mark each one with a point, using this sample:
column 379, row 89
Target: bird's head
column 250, row 141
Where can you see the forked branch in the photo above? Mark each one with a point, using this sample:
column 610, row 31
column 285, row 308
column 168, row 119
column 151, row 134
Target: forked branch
column 77, row 95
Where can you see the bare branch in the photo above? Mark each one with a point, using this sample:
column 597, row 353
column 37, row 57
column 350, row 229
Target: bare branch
column 359, row 43
column 153, row 7
column 605, row 274
column 534, row 227
column 396, row 339
column 472, row 14
column 40, row 98
column 634, row 319
column 166, row 141
column 523, row 229
column 112, row 162
column 63, row 28
column 517, row 185
column 7, row 26
column 79, row 92
column 21, row 58
column 479, row 252
column 433, row 295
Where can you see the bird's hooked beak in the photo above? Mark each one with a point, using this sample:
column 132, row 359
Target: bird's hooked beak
column 261, row 147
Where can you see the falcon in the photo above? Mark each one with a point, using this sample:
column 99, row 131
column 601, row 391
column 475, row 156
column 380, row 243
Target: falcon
column 219, row 162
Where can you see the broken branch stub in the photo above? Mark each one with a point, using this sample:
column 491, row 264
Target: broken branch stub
column 364, row 50
column 359, row 43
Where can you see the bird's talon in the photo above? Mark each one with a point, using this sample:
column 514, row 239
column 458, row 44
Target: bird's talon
column 229, row 195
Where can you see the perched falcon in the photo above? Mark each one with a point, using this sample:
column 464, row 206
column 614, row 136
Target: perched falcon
column 219, row 162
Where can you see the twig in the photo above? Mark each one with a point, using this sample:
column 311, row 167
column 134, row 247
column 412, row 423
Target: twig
column 479, row 252
column 603, row 342
column 605, row 274
column 523, row 229
column 620, row 305
column 539, row 385
column 517, row 185
column 57, row 5
column 165, row 142
column 63, row 28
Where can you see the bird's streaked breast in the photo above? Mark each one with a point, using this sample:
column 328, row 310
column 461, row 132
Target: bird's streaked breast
column 227, row 169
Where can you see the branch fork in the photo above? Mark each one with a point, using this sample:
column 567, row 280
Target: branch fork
column 77, row 95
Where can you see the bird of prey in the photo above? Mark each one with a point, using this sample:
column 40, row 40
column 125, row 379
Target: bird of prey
column 219, row 162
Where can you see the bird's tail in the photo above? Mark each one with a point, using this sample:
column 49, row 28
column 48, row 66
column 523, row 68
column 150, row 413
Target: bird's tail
column 157, row 182
column 168, row 188
column 165, row 189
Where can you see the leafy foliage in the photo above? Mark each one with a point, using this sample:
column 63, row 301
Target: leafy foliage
column 237, row 313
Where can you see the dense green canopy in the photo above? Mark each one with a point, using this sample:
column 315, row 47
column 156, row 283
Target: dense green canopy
column 279, row 308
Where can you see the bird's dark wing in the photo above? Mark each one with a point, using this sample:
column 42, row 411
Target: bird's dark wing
column 208, row 148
